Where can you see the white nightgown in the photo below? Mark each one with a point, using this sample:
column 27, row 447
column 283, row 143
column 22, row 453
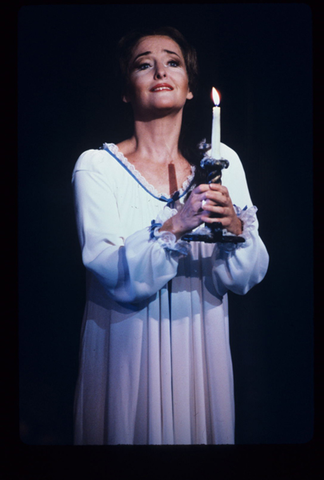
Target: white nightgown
column 155, row 362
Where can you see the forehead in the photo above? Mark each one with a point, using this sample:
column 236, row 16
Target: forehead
column 156, row 44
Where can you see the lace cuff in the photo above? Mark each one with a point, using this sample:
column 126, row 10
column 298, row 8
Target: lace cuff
column 248, row 218
column 166, row 239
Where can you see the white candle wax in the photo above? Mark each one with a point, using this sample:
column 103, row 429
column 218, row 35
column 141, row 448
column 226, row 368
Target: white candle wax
column 215, row 147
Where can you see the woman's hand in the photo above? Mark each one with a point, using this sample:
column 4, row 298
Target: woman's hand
column 207, row 203
column 190, row 215
column 220, row 208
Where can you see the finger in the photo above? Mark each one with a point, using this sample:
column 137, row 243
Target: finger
column 203, row 201
column 210, row 220
column 202, row 188
column 199, row 200
column 223, row 221
column 217, row 198
column 218, row 187
column 217, row 209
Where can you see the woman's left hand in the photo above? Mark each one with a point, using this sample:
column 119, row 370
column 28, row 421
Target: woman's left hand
column 219, row 204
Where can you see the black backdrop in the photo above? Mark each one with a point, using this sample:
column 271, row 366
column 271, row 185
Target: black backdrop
column 259, row 56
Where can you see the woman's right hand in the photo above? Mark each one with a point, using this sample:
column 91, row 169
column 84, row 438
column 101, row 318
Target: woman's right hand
column 189, row 217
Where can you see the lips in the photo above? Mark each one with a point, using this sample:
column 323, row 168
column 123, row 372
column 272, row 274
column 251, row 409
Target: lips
column 160, row 87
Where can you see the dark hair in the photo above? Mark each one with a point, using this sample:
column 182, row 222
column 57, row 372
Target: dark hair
column 127, row 44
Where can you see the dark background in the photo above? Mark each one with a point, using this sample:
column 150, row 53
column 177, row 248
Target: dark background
column 259, row 56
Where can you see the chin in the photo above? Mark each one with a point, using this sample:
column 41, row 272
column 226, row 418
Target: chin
column 166, row 104
column 157, row 109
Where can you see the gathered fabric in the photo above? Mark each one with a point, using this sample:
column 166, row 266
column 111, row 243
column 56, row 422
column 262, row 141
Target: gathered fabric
column 155, row 363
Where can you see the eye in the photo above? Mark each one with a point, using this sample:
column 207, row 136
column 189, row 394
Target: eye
column 143, row 66
column 173, row 63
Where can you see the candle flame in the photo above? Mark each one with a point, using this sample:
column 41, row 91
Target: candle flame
column 215, row 96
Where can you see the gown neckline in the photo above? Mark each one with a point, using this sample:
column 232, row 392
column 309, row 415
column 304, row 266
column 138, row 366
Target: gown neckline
column 114, row 150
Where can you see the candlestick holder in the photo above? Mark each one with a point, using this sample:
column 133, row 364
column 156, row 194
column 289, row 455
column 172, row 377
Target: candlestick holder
column 213, row 169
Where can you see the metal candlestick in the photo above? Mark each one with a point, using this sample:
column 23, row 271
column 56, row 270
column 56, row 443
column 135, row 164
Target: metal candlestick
column 213, row 168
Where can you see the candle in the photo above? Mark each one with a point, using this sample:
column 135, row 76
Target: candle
column 215, row 140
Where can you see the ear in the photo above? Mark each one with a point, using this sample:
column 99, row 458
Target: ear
column 189, row 95
column 125, row 94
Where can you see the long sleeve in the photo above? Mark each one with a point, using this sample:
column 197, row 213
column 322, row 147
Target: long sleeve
column 131, row 269
column 238, row 270
column 241, row 267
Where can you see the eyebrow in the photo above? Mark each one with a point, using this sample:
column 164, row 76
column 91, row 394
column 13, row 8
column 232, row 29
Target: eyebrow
column 148, row 53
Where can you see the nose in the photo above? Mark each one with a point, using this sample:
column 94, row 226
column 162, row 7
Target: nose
column 160, row 70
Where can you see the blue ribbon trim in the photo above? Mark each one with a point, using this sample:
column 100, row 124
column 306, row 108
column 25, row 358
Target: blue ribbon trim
column 243, row 209
column 153, row 226
column 169, row 201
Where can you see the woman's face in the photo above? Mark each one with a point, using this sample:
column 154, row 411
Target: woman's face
column 158, row 78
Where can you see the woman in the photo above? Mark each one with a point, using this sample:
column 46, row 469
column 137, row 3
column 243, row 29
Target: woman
column 155, row 363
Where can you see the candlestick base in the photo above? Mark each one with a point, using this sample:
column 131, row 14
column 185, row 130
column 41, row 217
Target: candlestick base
column 213, row 170
column 215, row 236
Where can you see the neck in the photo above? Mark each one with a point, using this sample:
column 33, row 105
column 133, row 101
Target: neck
column 158, row 138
